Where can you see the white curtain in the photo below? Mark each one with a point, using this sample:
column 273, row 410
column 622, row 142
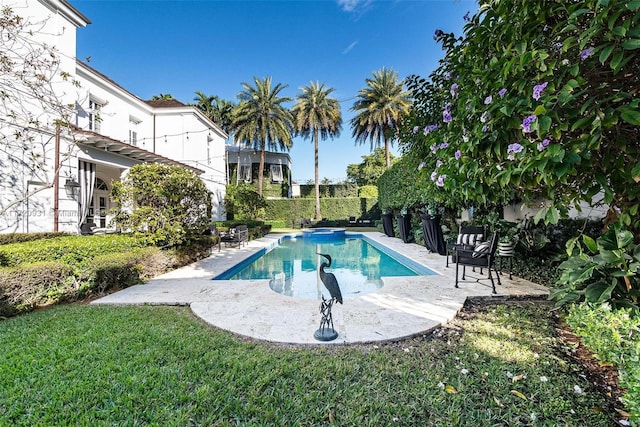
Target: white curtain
column 87, row 178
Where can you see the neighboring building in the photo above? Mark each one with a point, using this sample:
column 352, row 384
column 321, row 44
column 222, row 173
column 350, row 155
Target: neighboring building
column 70, row 170
column 243, row 165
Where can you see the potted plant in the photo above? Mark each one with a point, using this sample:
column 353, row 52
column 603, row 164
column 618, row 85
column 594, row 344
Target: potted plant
column 508, row 237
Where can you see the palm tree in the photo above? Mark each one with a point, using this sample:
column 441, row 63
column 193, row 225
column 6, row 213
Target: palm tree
column 379, row 109
column 219, row 110
column 204, row 103
column 261, row 121
column 162, row 96
column 317, row 114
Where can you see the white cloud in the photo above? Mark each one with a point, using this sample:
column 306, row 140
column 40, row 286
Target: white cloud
column 353, row 5
column 348, row 48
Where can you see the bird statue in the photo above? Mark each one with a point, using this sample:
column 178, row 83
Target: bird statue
column 329, row 280
column 326, row 332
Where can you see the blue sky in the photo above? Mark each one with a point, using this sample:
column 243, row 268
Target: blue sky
column 179, row 47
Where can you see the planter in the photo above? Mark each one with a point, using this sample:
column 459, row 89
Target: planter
column 404, row 227
column 387, row 225
column 432, row 231
column 506, row 249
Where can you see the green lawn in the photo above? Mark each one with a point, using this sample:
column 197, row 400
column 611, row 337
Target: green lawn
column 91, row 365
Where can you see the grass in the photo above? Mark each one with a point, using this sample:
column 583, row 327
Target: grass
column 94, row 365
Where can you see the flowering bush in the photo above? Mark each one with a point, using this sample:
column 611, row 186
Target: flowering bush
column 537, row 100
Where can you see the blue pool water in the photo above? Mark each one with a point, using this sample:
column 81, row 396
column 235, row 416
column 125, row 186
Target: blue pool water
column 292, row 265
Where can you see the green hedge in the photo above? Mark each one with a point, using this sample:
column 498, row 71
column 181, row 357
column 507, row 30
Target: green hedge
column 28, row 286
column 24, row 288
column 67, row 249
column 330, row 190
column 44, row 272
column 292, row 210
column 6, row 239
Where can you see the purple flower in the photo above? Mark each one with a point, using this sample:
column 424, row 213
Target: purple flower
column 526, row 123
column 447, row 107
column 448, row 75
column 446, row 116
column 438, row 164
column 429, row 128
column 434, row 175
column 440, row 181
column 458, row 155
column 502, row 92
column 485, row 117
column 444, row 145
column 454, row 89
column 415, row 129
column 485, row 128
column 514, row 149
column 421, row 165
column 488, row 100
column 537, row 90
column 542, row 145
column 433, row 148
column 586, row 53
column 616, row 209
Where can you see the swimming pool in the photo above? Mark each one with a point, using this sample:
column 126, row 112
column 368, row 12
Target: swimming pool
column 291, row 266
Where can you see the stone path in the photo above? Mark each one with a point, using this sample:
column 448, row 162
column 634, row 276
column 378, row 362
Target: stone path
column 403, row 307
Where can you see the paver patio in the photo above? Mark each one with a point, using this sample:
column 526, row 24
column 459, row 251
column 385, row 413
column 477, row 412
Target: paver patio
column 403, row 307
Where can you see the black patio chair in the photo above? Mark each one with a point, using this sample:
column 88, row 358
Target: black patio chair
column 483, row 256
column 468, row 238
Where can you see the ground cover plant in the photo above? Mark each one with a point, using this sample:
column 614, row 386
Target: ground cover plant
column 86, row 365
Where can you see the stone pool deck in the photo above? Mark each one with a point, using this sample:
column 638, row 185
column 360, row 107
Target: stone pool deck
column 403, row 307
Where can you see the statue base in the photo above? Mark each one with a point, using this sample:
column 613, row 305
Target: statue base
column 325, row 334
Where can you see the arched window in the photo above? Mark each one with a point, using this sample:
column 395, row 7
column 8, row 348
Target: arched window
column 101, row 185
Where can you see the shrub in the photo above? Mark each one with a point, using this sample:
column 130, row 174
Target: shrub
column 26, row 287
column 614, row 337
column 242, row 202
column 165, row 205
column 27, row 237
column 72, row 250
column 602, row 270
column 121, row 270
column 335, row 209
column 368, row 191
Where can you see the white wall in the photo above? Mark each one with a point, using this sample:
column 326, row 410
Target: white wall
column 28, row 162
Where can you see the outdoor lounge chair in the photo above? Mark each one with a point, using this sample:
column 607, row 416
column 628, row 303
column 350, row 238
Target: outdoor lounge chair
column 483, row 256
column 468, row 238
column 236, row 236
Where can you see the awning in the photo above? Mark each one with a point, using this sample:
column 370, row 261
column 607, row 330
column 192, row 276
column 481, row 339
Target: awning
column 102, row 142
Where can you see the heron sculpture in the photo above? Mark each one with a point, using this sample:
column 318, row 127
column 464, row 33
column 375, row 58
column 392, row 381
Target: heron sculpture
column 326, row 332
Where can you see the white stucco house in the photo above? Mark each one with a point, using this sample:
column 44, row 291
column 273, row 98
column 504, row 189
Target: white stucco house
column 67, row 131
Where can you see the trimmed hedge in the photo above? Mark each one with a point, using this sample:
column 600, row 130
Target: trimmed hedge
column 71, row 250
column 40, row 273
column 26, row 287
column 331, row 190
column 292, row 210
column 6, row 239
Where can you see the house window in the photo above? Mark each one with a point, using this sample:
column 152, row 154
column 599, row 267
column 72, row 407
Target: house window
column 276, row 173
column 94, row 115
column 245, row 173
column 133, row 130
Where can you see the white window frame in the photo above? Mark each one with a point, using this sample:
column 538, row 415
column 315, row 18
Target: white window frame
column 276, row 173
column 94, row 115
column 245, row 173
column 133, row 130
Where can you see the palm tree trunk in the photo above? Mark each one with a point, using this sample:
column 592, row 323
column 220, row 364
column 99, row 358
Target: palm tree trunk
column 315, row 140
column 386, row 151
column 261, row 168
